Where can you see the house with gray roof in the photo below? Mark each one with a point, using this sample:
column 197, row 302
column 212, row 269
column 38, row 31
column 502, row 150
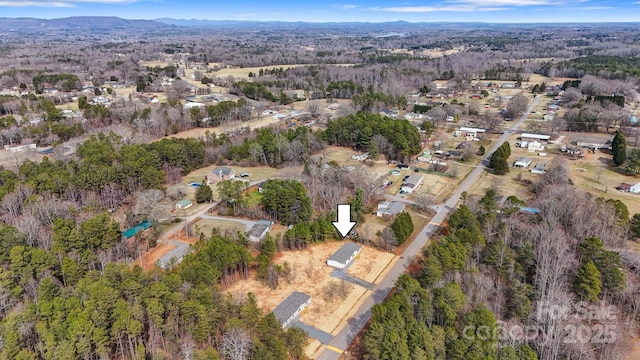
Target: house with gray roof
column 343, row 256
column 259, row 230
column 220, row 173
column 174, row 256
column 287, row 311
column 391, row 209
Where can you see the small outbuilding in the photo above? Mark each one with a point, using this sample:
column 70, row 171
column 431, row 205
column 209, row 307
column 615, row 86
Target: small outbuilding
column 539, row 168
column 184, row 204
column 522, row 162
column 287, row 311
column 343, row 256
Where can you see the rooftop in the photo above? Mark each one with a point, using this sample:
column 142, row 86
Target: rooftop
column 290, row 305
column 344, row 253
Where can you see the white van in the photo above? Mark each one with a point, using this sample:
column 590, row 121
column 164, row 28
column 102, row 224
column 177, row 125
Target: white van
column 457, row 133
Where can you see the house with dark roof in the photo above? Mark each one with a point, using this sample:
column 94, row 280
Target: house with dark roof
column 343, row 256
column 287, row 311
column 259, row 230
column 220, row 173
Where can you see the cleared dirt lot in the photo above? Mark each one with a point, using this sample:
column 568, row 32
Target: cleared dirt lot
column 312, row 276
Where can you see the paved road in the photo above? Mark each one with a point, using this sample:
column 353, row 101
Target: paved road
column 343, row 339
column 322, row 336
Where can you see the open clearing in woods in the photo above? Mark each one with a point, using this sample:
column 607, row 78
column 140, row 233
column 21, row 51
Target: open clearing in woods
column 312, row 276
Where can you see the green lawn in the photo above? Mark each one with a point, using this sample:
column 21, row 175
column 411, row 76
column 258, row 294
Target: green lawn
column 253, row 198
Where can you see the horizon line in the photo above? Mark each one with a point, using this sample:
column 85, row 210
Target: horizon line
column 327, row 22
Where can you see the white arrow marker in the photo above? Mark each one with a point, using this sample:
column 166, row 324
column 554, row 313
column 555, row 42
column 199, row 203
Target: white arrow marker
column 344, row 223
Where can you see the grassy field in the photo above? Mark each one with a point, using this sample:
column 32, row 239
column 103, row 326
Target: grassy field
column 206, row 226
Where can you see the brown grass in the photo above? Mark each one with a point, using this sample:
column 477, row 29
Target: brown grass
column 312, row 276
column 206, row 226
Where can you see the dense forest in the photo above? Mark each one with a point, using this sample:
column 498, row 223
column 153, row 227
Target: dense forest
column 56, row 307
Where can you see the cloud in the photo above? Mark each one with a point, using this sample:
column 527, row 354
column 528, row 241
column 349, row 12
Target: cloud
column 35, row 3
column 348, row 7
column 60, row 4
column 489, row 3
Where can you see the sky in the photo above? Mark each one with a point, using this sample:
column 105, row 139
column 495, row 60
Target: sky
column 492, row 11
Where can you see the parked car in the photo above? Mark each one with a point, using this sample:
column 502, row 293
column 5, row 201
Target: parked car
column 405, row 177
column 244, row 175
column 390, row 183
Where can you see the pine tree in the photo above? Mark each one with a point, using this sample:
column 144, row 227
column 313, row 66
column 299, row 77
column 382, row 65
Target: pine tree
column 204, row 193
column 587, row 283
column 619, row 147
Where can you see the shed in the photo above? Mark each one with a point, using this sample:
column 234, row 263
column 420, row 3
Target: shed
column 291, row 307
column 343, row 256
column 259, row 230
column 522, row 162
column 174, row 256
column 184, row 204
column 539, row 168
column 635, row 188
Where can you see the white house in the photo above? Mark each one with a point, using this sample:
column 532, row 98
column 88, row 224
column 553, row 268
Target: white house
column 412, row 183
column 522, row 162
column 635, row 188
column 343, row 256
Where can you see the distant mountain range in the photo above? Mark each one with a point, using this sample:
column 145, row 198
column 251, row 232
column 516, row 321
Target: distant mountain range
column 108, row 23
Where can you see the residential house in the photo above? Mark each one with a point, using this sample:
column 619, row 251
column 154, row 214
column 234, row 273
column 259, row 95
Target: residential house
column 259, row 230
column 344, row 255
column 287, row 311
column 220, row 173
column 184, row 204
column 174, row 256
column 522, row 162
column 412, row 183
column 390, row 209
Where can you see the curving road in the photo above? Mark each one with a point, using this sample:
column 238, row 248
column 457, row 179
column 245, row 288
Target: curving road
column 343, row 339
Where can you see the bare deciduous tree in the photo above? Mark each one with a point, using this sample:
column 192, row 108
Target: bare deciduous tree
column 236, row 344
